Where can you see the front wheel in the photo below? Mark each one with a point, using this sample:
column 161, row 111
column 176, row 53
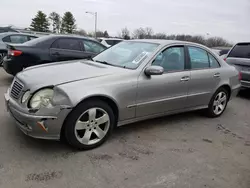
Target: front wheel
column 218, row 103
column 89, row 124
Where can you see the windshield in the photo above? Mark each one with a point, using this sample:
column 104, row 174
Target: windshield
column 127, row 54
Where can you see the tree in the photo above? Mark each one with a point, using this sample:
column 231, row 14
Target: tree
column 55, row 18
column 40, row 22
column 68, row 23
column 148, row 32
column 105, row 34
column 139, row 33
column 81, row 32
column 125, row 34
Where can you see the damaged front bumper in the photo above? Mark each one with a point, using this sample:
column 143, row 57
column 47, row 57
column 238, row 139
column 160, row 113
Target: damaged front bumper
column 43, row 124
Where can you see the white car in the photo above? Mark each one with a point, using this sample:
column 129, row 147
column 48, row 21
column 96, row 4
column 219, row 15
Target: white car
column 109, row 41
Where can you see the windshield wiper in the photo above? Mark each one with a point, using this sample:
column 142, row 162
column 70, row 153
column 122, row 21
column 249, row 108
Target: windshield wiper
column 105, row 62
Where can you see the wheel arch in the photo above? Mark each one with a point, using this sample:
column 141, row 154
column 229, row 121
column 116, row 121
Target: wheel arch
column 227, row 88
column 110, row 101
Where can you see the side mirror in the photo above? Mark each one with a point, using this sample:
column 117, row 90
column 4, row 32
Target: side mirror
column 154, row 70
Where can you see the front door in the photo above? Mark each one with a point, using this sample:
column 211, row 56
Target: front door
column 205, row 76
column 167, row 92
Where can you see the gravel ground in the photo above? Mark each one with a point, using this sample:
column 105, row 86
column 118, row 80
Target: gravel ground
column 186, row 150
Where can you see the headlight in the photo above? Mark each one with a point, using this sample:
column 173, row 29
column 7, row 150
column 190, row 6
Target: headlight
column 42, row 98
column 25, row 97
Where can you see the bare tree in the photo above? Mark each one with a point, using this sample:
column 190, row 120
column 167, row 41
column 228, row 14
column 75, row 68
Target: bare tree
column 139, row 33
column 125, row 34
column 148, row 32
column 81, row 32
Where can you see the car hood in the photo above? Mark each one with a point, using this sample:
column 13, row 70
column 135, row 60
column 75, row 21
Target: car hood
column 64, row 72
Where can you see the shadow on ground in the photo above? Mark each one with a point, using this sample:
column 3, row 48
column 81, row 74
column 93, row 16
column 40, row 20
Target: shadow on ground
column 245, row 93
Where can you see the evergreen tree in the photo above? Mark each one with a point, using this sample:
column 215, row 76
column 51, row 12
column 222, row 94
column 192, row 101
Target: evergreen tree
column 55, row 18
column 40, row 22
column 68, row 23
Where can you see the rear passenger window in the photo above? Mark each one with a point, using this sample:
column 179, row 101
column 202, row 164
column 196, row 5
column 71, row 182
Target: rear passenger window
column 241, row 50
column 67, row 44
column 213, row 62
column 198, row 58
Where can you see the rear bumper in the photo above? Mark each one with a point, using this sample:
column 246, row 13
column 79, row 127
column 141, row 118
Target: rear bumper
column 245, row 84
column 11, row 66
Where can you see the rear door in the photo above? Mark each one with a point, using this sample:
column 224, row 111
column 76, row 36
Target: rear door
column 205, row 76
column 64, row 49
column 239, row 56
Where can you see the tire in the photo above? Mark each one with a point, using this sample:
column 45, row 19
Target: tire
column 86, row 122
column 211, row 110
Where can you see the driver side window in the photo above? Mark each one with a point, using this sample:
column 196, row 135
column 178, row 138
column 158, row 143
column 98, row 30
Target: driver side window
column 171, row 59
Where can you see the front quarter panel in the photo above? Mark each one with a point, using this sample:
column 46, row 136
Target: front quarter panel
column 121, row 89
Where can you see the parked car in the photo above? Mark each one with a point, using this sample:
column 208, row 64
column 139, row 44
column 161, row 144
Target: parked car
column 109, row 41
column 239, row 56
column 9, row 38
column 221, row 50
column 7, row 29
column 83, row 100
column 47, row 49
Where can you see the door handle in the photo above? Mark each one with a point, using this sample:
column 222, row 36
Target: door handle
column 185, row 78
column 217, row 75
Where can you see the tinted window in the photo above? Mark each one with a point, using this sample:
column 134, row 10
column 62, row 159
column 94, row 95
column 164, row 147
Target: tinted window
column 69, row 44
column 171, row 59
column 6, row 39
column 213, row 62
column 91, row 46
column 241, row 51
column 18, row 38
column 112, row 42
column 198, row 58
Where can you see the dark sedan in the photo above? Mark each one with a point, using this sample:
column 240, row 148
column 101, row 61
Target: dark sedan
column 12, row 37
column 47, row 49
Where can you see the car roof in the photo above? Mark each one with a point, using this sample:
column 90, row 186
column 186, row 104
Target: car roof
column 69, row 36
column 164, row 41
column 109, row 38
column 15, row 33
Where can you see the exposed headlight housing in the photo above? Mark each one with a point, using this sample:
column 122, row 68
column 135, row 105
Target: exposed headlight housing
column 42, row 98
column 25, row 96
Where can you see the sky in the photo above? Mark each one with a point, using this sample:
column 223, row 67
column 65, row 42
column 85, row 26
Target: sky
column 229, row 19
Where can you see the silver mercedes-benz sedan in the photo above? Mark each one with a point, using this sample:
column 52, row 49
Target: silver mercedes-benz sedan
column 83, row 100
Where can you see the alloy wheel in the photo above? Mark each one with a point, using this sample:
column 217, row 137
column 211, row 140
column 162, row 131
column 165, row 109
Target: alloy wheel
column 92, row 126
column 220, row 103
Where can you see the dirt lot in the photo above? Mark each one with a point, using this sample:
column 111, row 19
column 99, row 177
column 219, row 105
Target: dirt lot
column 182, row 151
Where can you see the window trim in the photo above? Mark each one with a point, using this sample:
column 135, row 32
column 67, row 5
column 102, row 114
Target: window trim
column 81, row 49
column 167, row 47
column 207, row 52
column 215, row 59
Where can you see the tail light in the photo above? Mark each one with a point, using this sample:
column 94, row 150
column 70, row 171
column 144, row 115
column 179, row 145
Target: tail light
column 14, row 52
column 240, row 75
column 225, row 59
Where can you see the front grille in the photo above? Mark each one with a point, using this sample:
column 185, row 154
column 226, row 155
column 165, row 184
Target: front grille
column 16, row 89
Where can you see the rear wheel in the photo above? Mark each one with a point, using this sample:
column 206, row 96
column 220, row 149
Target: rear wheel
column 89, row 124
column 2, row 55
column 218, row 103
